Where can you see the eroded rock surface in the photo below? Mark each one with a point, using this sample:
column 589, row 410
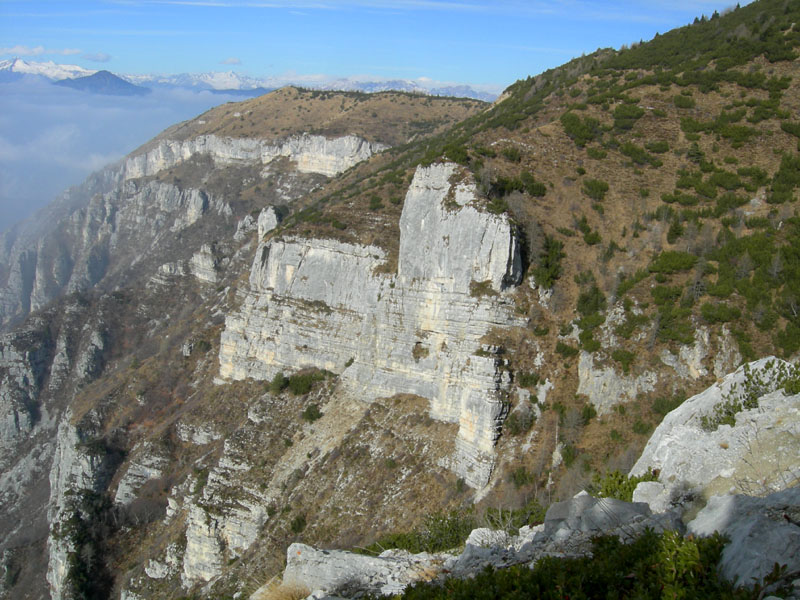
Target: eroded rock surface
column 755, row 456
column 315, row 302
column 312, row 153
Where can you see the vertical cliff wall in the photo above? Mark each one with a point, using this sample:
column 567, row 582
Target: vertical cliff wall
column 320, row 303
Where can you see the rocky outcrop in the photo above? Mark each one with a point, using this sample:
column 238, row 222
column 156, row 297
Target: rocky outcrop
column 311, row 153
column 762, row 532
column 111, row 232
column 146, row 465
column 606, row 388
column 268, row 220
column 79, row 467
column 203, row 264
column 756, row 455
column 568, row 530
column 324, row 304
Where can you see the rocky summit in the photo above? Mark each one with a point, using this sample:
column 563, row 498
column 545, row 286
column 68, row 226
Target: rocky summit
column 331, row 344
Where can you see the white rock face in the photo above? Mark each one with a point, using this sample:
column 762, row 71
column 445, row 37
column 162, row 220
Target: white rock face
column 74, row 469
column 758, row 455
column 759, row 534
column 113, row 229
column 18, row 390
column 312, row 153
column 202, row 560
column 216, row 532
column 347, row 573
column 203, row 264
column 320, row 303
column 606, row 388
column 146, row 465
column 267, row 221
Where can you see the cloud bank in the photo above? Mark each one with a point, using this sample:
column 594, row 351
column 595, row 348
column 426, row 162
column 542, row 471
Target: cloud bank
column 52, row 137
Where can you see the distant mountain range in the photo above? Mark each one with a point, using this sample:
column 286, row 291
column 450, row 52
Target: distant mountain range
column 104, row 82
column 220, row 82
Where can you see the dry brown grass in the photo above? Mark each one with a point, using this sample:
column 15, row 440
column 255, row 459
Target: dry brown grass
column 387, row 117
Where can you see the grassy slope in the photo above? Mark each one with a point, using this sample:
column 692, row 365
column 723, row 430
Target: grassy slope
column 695, row 135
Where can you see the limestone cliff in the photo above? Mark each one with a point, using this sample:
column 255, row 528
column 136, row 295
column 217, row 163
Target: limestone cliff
column 120, row 217
column 311, row 153
column 316, row 302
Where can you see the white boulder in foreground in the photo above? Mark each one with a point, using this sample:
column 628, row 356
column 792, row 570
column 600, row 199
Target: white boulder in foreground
column 759, row 455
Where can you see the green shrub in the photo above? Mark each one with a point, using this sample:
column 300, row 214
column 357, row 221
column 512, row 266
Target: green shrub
column 569, row 453
column 457, row 153
column 588, row 342
column 641, row 427
column 591, row 301
column 626, row 115
column 592, row 238
column 596, row 153
column 663, row 294
column 617, row 485
column 301, row 383
column 581, row 131
column 719, row 313
column 754, row 385
column 625, row 358
column 438, row 532
column 657, row 147
column 663, row 405
column 684, row 101
column 375, row 202
column 518, row 423
column 531, row 186
column 672, row 261
column 565, row 350
column 595, row 188
column 520, row 477
column 627, row 283
column 528, row 380
column 278, row 383
column 512, row 154
column 588, row 412
column 298, row 524
column 311, row 413
column 674, row 325
column 638, row 155
column 549, row 268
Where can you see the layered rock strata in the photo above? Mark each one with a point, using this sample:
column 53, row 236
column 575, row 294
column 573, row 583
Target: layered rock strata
column 311, row 153
column 322, row 303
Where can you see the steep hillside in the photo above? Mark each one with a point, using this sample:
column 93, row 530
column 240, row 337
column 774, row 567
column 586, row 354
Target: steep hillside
column 324, row 317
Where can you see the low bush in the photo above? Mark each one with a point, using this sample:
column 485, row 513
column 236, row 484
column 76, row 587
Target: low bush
column 653, row 566
column 595, row 188
column 672, row 261
column 617, row 485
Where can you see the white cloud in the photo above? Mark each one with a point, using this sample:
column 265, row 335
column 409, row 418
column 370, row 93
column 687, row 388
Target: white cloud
column 97, row 57
column 20, row 50
column 232, row 60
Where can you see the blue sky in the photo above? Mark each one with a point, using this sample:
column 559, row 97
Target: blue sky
column 490, row 43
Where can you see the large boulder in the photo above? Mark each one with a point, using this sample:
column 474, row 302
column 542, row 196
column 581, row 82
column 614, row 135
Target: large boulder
column 762, row 532
column 696, row 456
column 346, row 573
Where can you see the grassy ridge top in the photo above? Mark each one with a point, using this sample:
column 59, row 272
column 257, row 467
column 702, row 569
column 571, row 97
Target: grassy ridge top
column 387, row 117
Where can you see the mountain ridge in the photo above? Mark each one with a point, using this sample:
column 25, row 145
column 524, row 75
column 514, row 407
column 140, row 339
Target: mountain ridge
column 231, row 82
column 206, row 396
